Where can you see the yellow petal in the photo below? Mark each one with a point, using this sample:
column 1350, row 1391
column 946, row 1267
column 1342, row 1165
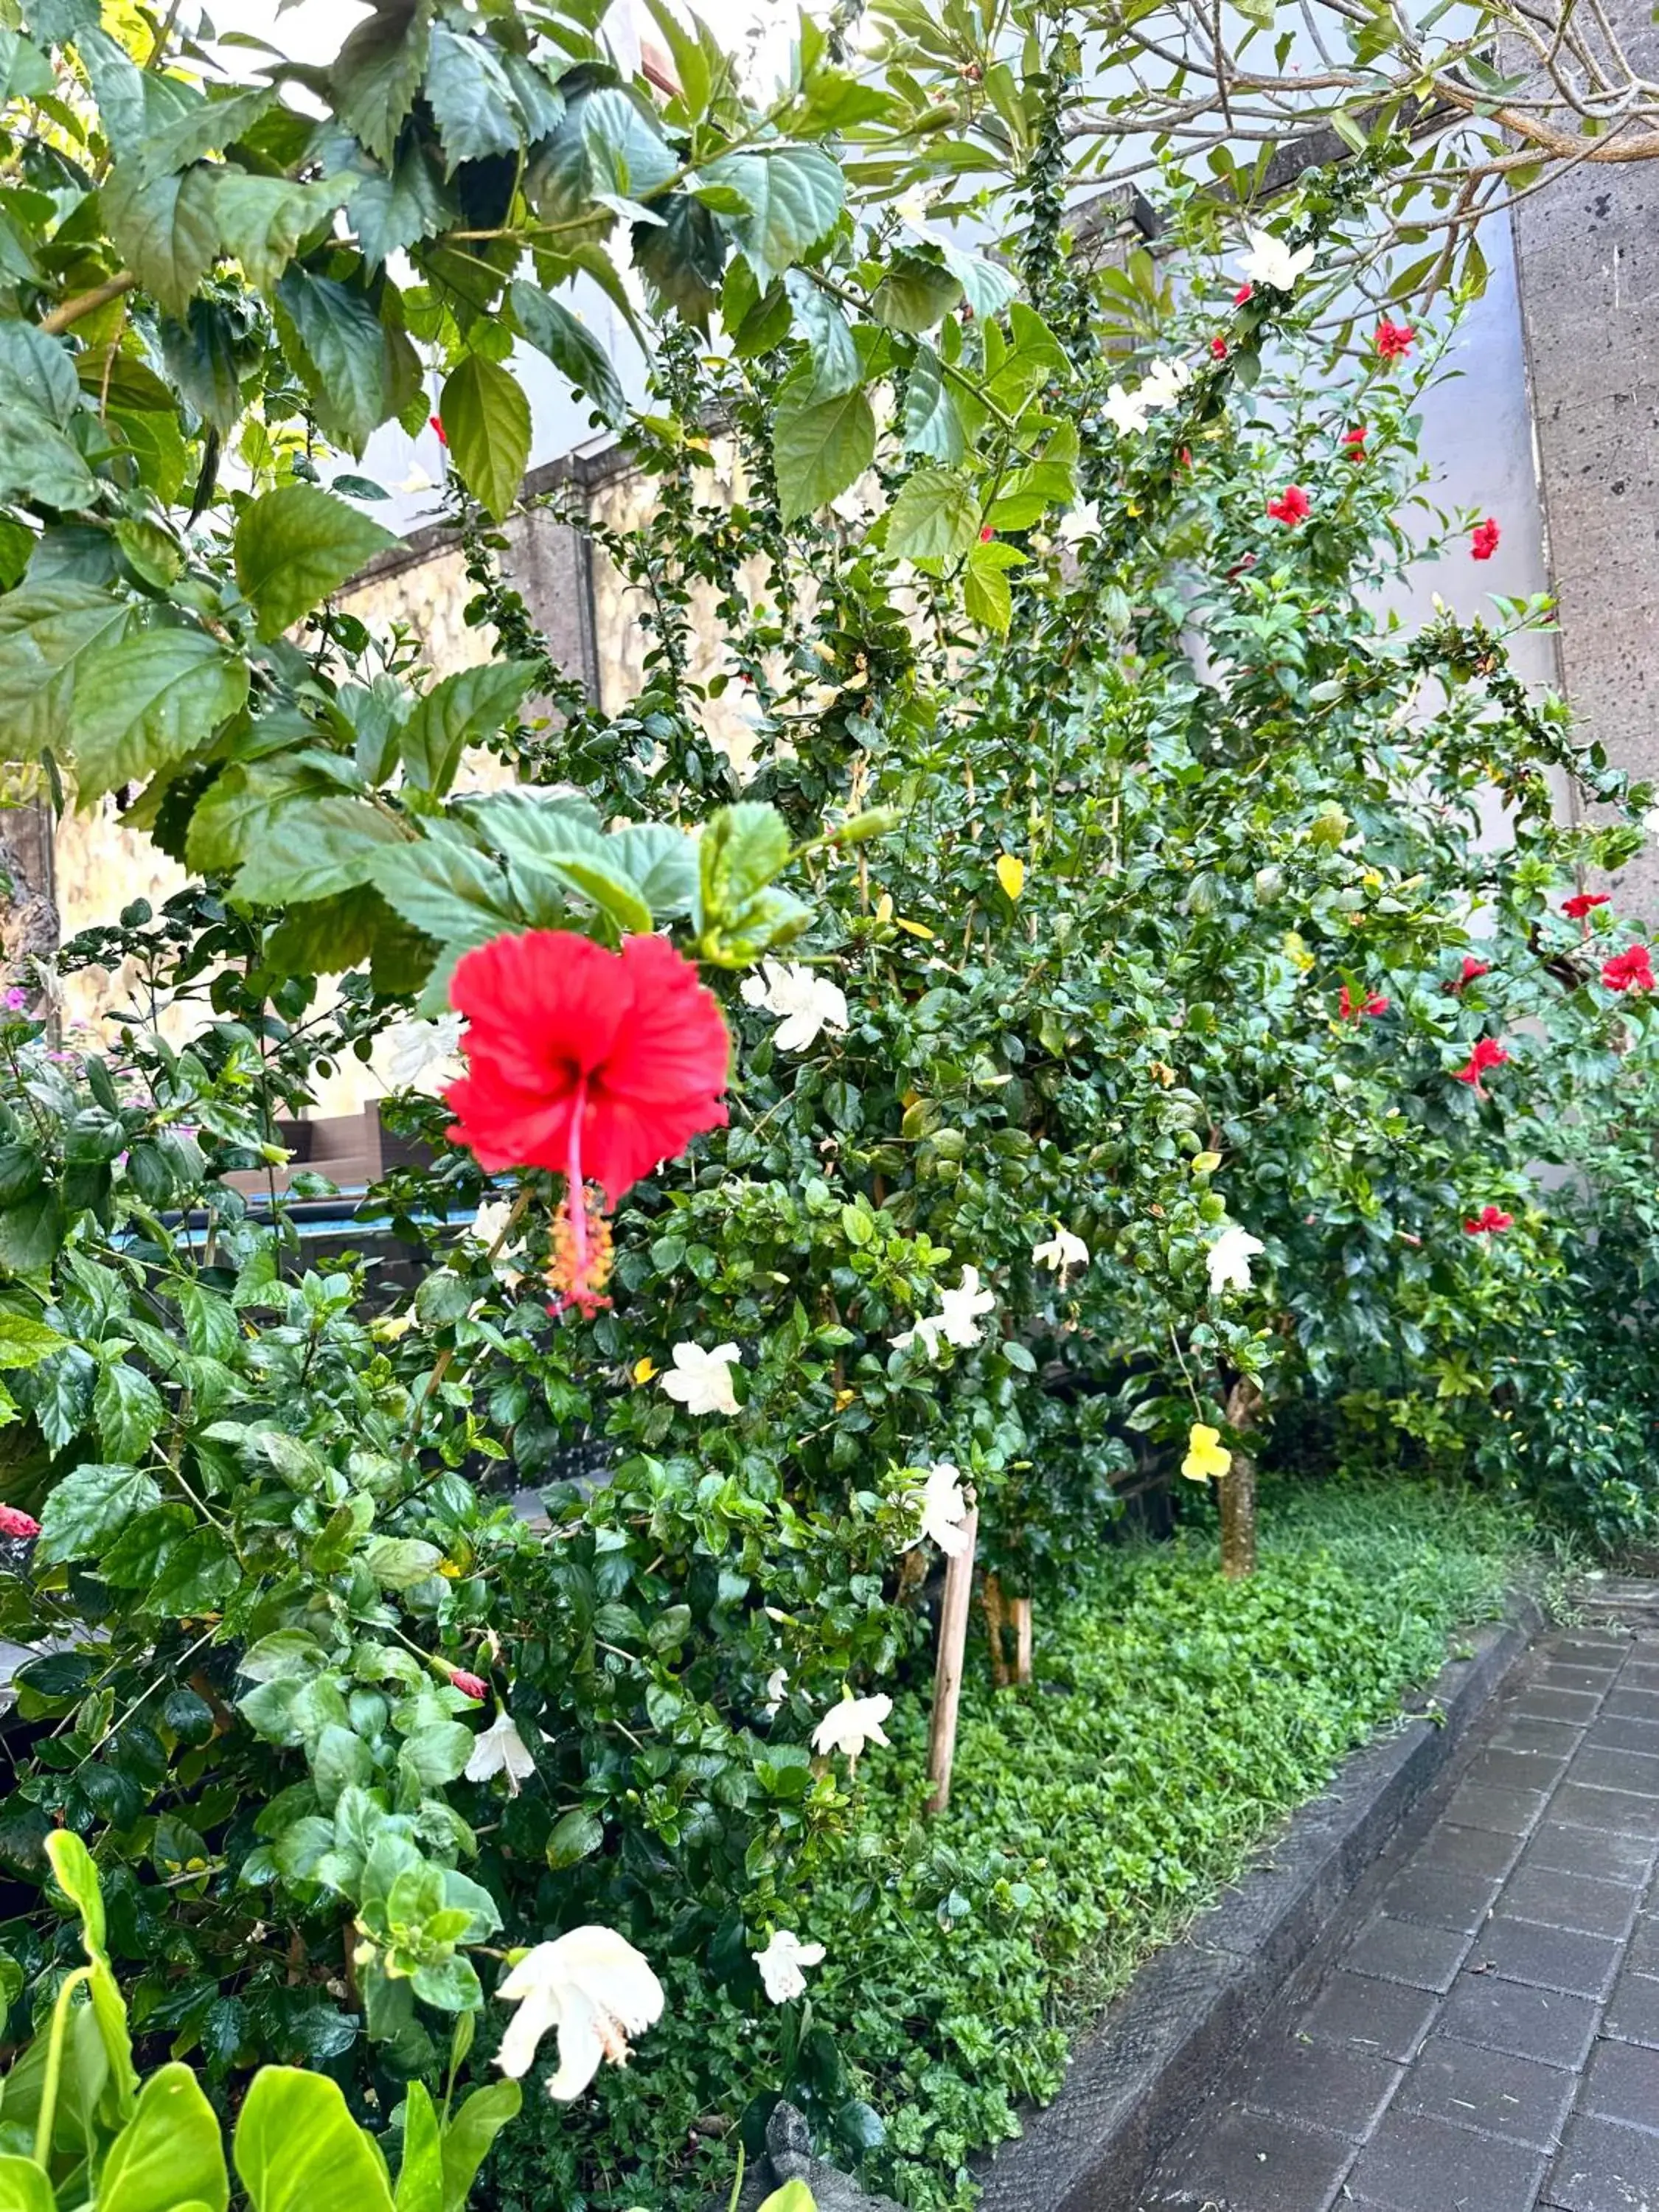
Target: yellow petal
column 1011, row 874
column 644, row 1370
column 1206, row 1162
column 884, row 907
column 1207, row 1456
column 915, row 928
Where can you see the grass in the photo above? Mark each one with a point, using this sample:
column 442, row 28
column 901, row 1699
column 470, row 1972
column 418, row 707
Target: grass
column 1176, row 1720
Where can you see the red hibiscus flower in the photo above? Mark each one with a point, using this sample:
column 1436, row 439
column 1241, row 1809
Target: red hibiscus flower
column 1354, row 442
column 596, row 1064
column 1483, row 543
column 1244, row 292
column 1488, row 1223
column 1219, row 347
column 1488, row 1053
column 1581, row 902
column 1350, row 1009
column 1470, row 972
column 437, row 422
column 1629, row 971
column 986, row 534
column 1291, row 506
column 14, row 1522
column 1394, row 340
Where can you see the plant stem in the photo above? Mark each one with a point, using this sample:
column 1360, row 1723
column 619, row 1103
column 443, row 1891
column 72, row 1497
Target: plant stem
column 48, row 2113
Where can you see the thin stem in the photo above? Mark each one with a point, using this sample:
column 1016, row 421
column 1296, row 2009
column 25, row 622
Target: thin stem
column 87, row 303
column 60, row 2013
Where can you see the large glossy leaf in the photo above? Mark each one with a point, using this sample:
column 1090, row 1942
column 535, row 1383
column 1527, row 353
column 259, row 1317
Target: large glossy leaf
column 821, row 447
column 146, row 700
column 38, row 371
column 294, row 546
column 460, row 711
column 46, row 630
column 26, row 1343
column 165, row 229
column 262, row 220
column 90, row 1507
column 627, row 157
column 539, row 838
column 486, row 419
column 470, row 99
column 127, row 1407
column 298, row 2149
column 421, row 2175
column 930, row 423
column 169, row 2152
column 469, row 2136
column 445, row 889
column 338, row 344
column 554, row 330
column 837, row 366
column 316, row 847
column 793, row 195
column 935, row 516
column 207, row 128
column 379, row 72
column 396, row 211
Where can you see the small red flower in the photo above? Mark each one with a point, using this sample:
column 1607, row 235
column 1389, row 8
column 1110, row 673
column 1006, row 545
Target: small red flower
column 1489, row 1222
column 1350, row 1009
column 1581, row 902
column 469, row 1684
column 1244, row 292
column 987, row 534
column 1185, row 457
column 1488, row 1053
column 1394, row 340
column 14, row 1522
column 437, row 422
column 1483, row 543
column 1354, row 443
column 593, row 1063
column 1219, row 347
column 1473, row 970
column 1291, row 506
column 1629, row 971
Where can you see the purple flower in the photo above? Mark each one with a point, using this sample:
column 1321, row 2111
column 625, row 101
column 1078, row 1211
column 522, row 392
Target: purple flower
column 16, row 998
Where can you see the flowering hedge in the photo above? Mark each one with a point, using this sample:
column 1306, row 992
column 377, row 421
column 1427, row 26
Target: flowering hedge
column 1060, row 1061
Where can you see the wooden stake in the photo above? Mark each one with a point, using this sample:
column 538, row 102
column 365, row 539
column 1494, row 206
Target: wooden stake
column 995, row 1621
column 947, row 1672
column 1019, row 1612
column 1238, row 1488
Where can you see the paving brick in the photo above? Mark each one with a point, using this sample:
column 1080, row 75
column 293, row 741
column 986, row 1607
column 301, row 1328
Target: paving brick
column 1468, row 1850
column 1622, row 2084
column 1548, row 1958
column 1325, row 2085
column 1615, row 1810
column 1630, row 1704
column 1604, row 1766
column 1593, row 1651
column 1613, row 1733
column 1640, row 1674
column 1520, row 2098
column 1249, row 2162
column 1405, row 1951
column 1571, row 1901
column 1389, row 2018
column 1443, row 1898
column 1632, row 2013
column 1604, row 2167
column 1511, row 1811
column 1593, row 1679
column 1504, row 2015
column 1642, row 1956
column 1512, row 1768
column 1417, row 2165
column 1580, row 1705
column 1584, row 1851
column 1562, row 1738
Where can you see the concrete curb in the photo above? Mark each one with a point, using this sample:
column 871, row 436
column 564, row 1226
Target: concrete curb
column 1158, row 2050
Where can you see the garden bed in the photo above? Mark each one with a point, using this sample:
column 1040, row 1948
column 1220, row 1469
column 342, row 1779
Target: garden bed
column 1175, row 1722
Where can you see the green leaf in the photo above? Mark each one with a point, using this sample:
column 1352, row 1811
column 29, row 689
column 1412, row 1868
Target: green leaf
column 740, row 851
column 128, row 1409
column 315, row 848
column 143, row 702
column 931, row 423
column 988, row 287
column 165, row 228
column 576, row 1836
column 820, row 447
column 37, row 372
column 31, row 1231
column 349, row 361
column 486, row 418
column 394, row 212
column 379, row 70
column 793, row 2197
column 90, row 1507
column 622, row 153
column 298, row 2149
column 202, row 357
column 294, row 546
column 262, row 220
column 984, row 593
column 914, row 295
column 211, row 1329
column 469, row 2136
column 25, row 72
column 24, row 2187
column 46, row 632
column 470, row 99
column 421, row 2175
column 437, row 1754
column 73, row 1870
column 169, row 2152
column 209, row 127
column 400, row 1562
column 26, row 1343
column 935, row 517
column 539, row 837
column 446, row 890
column 837, row 366
column 551, row 327
column 38, row 462
column 662, row 861
column 461, row 710
column 794, row 194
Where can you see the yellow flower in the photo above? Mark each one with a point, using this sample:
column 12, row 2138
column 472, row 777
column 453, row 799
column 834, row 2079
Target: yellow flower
column 1206, row 1455
column 1296, row 950
column 1011, row 874
column 643, row 1371
column 1206, row 1162
column 884, row 907
column 844, row 1399
column 1165, row 1073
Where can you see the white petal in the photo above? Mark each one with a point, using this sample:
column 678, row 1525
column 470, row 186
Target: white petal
column 581, row 2048
column 539, row 2011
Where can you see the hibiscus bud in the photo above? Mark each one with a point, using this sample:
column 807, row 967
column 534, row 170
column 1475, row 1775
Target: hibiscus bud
column 14, row 1522
column 469, row 1684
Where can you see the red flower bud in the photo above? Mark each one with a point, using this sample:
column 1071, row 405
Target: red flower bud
column 14, row 1522
column 469, row 1684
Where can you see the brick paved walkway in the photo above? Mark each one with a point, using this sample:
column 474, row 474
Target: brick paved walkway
column 1484, row 2035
